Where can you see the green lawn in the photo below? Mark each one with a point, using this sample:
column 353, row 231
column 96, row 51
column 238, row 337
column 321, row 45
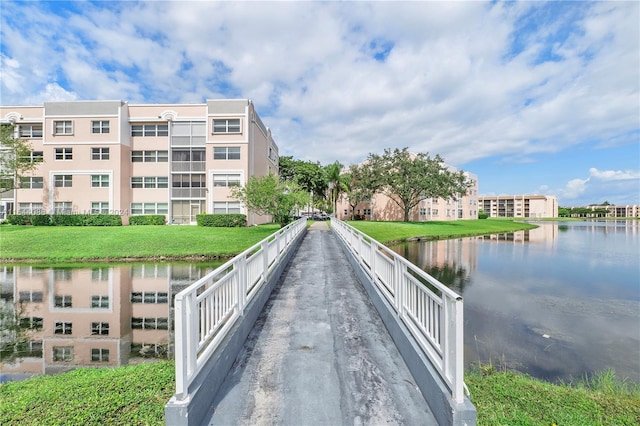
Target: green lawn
column 86, row 243
column 386, row 232
column 136, row 395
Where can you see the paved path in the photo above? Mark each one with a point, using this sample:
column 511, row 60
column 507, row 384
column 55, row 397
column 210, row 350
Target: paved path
column 319, row 353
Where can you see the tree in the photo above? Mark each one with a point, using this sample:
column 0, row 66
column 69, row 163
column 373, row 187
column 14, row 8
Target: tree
column 15, row 158
column 409, row 178
column 271, row 196
column 336, row 181
column 358, row 188
column 310, row 176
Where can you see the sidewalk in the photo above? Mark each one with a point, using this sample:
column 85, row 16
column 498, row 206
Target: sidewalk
column 319, row 353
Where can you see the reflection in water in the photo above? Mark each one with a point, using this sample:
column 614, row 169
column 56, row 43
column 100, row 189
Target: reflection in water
column 554, row 303
column 58, row 319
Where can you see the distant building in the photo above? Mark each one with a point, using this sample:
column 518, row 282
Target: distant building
column 530, row 206
column 382, row 208
column 177, row 160
column 606, row 211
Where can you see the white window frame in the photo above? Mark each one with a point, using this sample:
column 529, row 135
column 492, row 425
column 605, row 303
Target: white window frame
column 100, row 181
column 100, row 153
column 31, row 182
column 149, row 208
column 99, row 328
column 226, row 150
column 63, row 181
column 99, row 355
column 63, row 127
column 30, row 208
column 100, row 126
column 99, row 207
column 226, row 126
column 226, row 207
column 63, row 327
column 62, row 353
column 149, row 130
column 34, row 131
column 63, row 154
column 160, row 156
column 99, row 301
column 226, row 180
column 62, row 207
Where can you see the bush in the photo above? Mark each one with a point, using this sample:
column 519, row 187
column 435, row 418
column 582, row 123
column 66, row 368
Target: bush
column 68, row 219
column 103, row 220
column 19, row 219
column 482, row 215
column 233, row 220
column 41, row 220
column 147, row 219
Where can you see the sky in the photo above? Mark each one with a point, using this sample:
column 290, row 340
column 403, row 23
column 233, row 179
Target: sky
column 532, row 97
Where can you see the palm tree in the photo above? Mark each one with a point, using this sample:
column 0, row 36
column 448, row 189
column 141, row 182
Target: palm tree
column 337, row 182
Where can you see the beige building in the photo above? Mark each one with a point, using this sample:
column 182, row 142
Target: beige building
column 382, row 208
column 530, row 206
column 613, row 211
column 178, row 160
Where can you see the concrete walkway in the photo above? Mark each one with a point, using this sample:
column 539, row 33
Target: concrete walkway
column 319, row 353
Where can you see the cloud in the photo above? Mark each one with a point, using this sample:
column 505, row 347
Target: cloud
column 615, row 186
column 338, row 80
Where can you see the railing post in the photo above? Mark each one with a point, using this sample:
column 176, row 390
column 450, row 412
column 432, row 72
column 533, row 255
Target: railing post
column 179, row 350
column 458, row 380
column 398, row 285
column 243, row 283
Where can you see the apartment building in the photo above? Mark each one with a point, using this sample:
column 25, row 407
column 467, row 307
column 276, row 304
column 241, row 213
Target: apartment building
column 628, row 211
column 530, row 206
column 383, row 208
column 178, row 160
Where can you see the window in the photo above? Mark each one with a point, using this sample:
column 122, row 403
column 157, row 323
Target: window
column 100, row 328
column 30, row 296
column 63, row 353
column 64, row 153
column 99, row 181
column 226, row 180
column 100, row 355
column 423, row 211
column 63, row 302
column 32, row 323
column 31, row 131
column 150, row 182
column 150, row 323
column 63, row 127
column 226, row 126
column 99, row 153
column 99, row 207
column 100, row 274
column 149, row 208
column 62, row 207
column 63, row 181
column 188, row 181
column 150, row 130
column 35, row 157
column 435, row 212
column 33, row 182
column 149, row 156
column 100, row 126
column 99, row 301
column 149, row 297
column 226, row 153
column 226, row 207
column 63, row 327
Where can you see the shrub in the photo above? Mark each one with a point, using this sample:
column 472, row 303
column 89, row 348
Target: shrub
column 103, row 220
column 482, row 215
column 147, row 219
column 68, row 219
column 19, row 219
column 232, row 220
column 41, row 220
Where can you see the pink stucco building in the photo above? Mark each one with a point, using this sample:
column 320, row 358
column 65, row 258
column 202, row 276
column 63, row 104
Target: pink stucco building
column 178, row 160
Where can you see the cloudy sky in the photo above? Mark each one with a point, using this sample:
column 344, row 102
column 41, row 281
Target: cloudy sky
column 533, row 97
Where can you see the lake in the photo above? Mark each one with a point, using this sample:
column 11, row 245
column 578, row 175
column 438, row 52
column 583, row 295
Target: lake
column 90, row 316
column 556, row 302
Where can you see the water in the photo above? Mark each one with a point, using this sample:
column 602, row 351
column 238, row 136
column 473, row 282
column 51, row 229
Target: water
column 556, row 302
column 57, row 319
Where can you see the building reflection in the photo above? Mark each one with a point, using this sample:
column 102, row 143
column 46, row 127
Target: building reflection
column 58, row 319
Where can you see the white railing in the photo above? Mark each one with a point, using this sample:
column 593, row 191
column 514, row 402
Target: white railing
column 206, row 310
column 432, row 313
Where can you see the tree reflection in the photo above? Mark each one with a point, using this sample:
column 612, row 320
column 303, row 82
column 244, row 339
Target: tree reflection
column 453, row 276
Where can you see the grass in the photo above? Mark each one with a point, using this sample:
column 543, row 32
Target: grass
column 132, row 395
column 136, row 395
column 511, row 398
column 83, row 244
column 389, row 232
